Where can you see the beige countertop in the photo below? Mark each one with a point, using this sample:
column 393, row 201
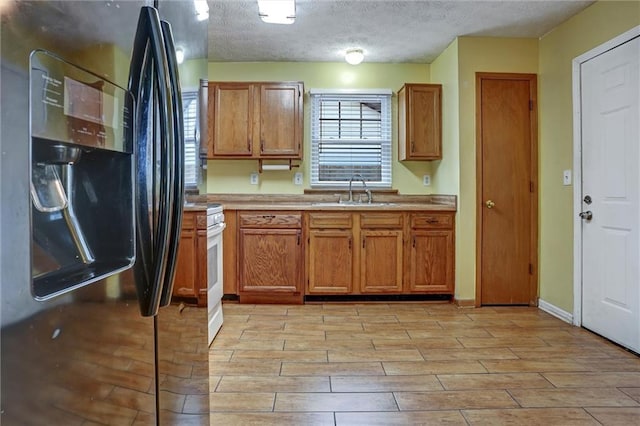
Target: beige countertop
column 198, row 207
column 324, row 202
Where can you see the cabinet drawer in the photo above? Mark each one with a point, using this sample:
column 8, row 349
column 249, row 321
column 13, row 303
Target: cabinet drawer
column 189, row 220
column 380, row 220
column 432, row 220
column 269, row 219
column 330, row 220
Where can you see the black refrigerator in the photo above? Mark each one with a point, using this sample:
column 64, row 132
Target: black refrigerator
column 92, row 189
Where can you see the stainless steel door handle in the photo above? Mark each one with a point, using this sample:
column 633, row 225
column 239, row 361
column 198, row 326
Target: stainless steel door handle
column 588, row 215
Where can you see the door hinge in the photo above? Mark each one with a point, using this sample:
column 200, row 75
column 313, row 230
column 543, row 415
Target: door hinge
column 530, row 186
column 530, row 105
column 530, row 269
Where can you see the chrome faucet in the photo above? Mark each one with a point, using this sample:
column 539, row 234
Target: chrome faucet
column 364, row 184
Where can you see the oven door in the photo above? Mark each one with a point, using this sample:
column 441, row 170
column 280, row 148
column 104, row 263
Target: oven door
column 214, row 278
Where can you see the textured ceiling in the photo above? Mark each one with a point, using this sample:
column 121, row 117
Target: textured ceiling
column 387, row 31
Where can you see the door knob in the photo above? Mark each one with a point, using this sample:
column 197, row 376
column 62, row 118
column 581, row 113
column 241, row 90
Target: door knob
column 490, row 204
column 588, row 215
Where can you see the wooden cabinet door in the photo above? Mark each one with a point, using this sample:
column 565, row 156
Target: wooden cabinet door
column 230, row 253
column 431, row 261
column 280, row 121
column 270, row 260
column 381, row 261
column 186, row 267
column 420, row 122
column 330, row 261
column 230, row 112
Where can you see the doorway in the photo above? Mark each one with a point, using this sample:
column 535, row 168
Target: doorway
column 507, row 201
column 607, row 202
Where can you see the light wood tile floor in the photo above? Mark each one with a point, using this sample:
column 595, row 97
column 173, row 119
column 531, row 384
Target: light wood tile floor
column 415, row 364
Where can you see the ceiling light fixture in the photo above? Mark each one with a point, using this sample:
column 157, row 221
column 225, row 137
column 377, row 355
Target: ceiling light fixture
column 179, row 55
column 277, row 11
column 202, row 9
column 354, row 56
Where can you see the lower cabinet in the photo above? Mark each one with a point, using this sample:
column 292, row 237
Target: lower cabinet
column 330, row 253
column 432, row 254
column 190, row 282
column 381, row 249
column 381, row 261
column 344, row 253
column 355, row 253
column 270, row 262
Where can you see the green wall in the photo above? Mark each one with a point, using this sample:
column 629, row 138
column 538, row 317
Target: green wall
column 595, row 25
column 224, row 176
column 191, row 71
column 479, row 54
column 550, row 57
column 444, row 70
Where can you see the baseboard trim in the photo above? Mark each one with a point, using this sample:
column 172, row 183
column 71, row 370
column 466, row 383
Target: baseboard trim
column 555, row 311
column 465, row 303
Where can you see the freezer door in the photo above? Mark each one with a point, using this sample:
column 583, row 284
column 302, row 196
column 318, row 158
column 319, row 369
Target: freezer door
column 154, row 153
column 87, row 356
column 177, row 183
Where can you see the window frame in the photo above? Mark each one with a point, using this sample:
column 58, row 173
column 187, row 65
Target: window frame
column 192, row 97
column 383, row 144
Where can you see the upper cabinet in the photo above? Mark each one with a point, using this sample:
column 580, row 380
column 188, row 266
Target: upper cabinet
column 420, row 122
column 230, row 127
column 255, row 120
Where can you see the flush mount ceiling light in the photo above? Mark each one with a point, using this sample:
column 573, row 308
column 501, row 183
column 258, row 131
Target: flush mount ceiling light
column 179, row 55
column 277, row 11
column 202, row 9
column 354, row 56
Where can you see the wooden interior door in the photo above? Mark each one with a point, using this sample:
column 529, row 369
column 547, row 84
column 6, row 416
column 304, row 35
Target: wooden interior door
column 507, row 189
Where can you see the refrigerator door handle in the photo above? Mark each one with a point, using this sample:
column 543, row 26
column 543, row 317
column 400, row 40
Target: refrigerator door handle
column 177, row 184
column 152, row 230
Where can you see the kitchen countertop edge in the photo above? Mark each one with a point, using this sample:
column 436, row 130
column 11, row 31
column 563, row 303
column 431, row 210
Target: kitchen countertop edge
column 443, row 203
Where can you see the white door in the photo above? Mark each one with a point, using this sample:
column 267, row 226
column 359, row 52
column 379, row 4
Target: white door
column 610, row 161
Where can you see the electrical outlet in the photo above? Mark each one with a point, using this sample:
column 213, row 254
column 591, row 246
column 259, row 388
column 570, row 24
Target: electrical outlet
column 566, row 177
column 297, row 178
column 253, row 178
column 426, row 180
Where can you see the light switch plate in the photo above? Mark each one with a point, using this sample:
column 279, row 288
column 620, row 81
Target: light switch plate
column 426, row 180
column 566, row 177
column 297, row 178
column 254, row 178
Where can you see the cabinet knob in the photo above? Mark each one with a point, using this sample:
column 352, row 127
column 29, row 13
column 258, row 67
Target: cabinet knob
column 490, row 204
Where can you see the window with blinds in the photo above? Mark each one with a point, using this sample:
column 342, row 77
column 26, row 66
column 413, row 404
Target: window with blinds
column 190, row 117
column 350, row 134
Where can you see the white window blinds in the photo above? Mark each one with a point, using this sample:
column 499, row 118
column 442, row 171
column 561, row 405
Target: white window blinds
column 350, row 134
column 190, row 117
